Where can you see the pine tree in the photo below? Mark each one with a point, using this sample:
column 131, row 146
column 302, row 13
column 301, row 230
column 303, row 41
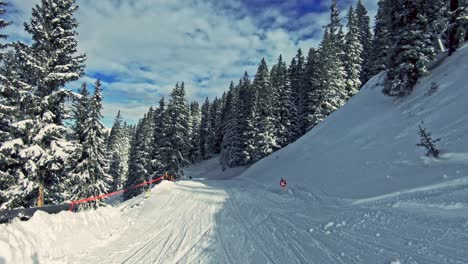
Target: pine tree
column 231, row 151
column 195, row 119
column 80, row 114
column 161, row 144
column 243, row 110
column 178, row 131
column 10, row 110
column 298, row 88
column 216, row 124
column 135, row 168
column 210, row 129
column 204, row 130
column 312, row 84
column 365, row 39
column 285, row 110
column 292, row 79
column 88, row 175
column 333, row 92
column 46, row 66
column 428, row 142
column 117, row 153
column 264, row 140
column 353, row 55
column 412, row 47
column 140, row 164
column 382, row 37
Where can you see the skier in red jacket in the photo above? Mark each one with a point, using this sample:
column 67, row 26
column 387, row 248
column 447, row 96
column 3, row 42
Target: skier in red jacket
column 283, row 184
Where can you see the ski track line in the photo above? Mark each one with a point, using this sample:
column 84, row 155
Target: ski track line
column 235, row 206
column 168, row 246
column 156, row 226
column 226, row 254
column 295, row 249
column 198, row 239
column 326, row 250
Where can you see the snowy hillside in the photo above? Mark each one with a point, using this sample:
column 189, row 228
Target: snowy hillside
column 368, row 147
column 359, row 191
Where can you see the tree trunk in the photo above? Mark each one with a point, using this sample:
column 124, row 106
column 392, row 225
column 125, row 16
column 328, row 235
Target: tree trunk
column 40, row 198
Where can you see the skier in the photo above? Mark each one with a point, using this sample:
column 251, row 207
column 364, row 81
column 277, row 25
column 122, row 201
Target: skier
column 283, row 184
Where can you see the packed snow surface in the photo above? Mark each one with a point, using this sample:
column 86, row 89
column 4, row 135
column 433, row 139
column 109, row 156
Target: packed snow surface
column 359, row 191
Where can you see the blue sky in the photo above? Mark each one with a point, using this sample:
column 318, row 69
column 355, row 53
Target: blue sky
column 141, row 48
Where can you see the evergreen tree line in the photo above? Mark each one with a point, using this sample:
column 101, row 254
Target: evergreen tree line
column 256, row 117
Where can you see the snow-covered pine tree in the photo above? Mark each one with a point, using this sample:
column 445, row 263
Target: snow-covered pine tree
column 217, row 124
column 412, row 47
column 195, row 117
column 178, row 131
column 381, row 40
column 296, row 82
column 134, row 178
column 9, row 109
column 275, row 103
column 231, row 148
column 210, row 129
column 264, row 140
column 49, row 64
column 114, row 133
column 243, row 109
column 365, row 39
column 88, row 175
column 285, row 109
column 333, row 77
column 161, row 144
column 312, row 84
column 80, row 112
column 353, row 55
column 293, row 82
column 52, row 56
column 205, row 130
column 140, row 168
column 117, row 153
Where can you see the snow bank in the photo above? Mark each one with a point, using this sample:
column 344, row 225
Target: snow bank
column 368, row 147
column 54, row 238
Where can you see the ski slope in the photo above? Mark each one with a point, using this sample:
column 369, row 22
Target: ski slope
column 359, row 191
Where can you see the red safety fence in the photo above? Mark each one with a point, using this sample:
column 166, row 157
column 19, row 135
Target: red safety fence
column 85, row 200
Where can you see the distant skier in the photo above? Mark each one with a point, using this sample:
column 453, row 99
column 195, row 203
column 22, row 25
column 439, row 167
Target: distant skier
column 283, row 184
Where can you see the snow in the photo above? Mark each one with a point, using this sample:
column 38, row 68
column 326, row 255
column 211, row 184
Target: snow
column 358, row 192
column 9, row 145
column 52, row 238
